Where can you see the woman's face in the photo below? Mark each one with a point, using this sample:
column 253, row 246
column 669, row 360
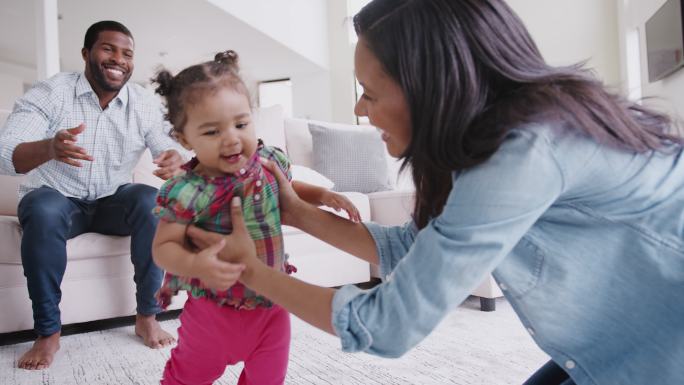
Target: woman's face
column 383, row 101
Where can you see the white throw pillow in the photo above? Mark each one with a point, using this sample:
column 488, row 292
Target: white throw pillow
column 307, row 175
column 353, row 157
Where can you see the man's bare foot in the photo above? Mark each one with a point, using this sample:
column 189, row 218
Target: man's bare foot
column 147, row 327
column 41, row 353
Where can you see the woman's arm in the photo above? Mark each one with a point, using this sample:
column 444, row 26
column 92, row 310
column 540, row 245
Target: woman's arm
column 351, row 237
column 288, row 292
column 308, row 192
column 278, row 287
column 168, row 253
column 489, row 209
column 328, row 227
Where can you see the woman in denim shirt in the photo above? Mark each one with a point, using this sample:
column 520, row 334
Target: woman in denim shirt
column 572, row 197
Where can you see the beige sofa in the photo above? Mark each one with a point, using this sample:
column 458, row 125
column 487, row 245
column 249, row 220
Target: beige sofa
column 98, row 282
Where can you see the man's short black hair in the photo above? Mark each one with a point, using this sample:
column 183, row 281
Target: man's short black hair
column 106, row 25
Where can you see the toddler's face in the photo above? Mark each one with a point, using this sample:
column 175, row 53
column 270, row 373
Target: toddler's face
column 220, row 131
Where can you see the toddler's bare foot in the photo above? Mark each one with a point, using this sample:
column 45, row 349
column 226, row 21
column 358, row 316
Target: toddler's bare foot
column 147, row 328
column 41, row 353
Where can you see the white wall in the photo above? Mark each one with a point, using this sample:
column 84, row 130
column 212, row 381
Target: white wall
column 13, row 80
column 302, row 26
column 669, row 92
column 566, row 32
column 11, row 87
column 311, row 96
column 26, row 74
column 342, row 91
column 571, row 31
column 298, row 24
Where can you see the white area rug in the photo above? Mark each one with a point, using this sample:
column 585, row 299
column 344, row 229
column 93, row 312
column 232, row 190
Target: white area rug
column 469, row 347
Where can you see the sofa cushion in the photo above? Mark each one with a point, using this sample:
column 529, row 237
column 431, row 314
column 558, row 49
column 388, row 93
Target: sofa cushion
column 84, row 246
column 300, row 150
column 144, row 171
column 10, row 184
column 269, row 126
column 307, row 175
column 9, row 193
column 10, row 239
column 299, row 145
column 353, row 157
column 299, row 141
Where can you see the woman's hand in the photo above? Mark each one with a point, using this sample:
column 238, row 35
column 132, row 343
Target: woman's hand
column 341, row 202
column 288, row 198
column 214, row 273
column 240, row 250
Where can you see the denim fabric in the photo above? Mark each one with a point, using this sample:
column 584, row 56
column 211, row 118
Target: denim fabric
column 48, row 219
column 585, row 241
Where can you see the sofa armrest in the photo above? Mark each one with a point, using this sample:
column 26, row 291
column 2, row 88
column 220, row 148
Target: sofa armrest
column 391, row 207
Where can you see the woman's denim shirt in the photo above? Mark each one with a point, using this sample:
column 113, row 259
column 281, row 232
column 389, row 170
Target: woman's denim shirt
column 585, row 241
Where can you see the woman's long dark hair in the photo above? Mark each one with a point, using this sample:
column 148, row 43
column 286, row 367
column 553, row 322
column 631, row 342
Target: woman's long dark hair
column 470, row 72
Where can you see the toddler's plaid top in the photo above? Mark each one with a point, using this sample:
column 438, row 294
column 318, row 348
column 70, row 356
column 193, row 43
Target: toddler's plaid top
column 192, row 198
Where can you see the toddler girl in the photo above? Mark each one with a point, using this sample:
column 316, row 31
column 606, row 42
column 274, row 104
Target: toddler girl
column 223, row 322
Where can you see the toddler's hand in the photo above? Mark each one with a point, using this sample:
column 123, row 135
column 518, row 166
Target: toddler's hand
column 213, row 272
column 341, row 202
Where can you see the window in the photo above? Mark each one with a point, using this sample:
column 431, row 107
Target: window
column 279, row 91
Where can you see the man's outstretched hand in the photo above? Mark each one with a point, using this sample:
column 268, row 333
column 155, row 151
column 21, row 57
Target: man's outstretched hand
column 64, row 149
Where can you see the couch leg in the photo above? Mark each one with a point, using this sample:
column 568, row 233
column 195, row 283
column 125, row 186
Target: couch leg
column 487, row 304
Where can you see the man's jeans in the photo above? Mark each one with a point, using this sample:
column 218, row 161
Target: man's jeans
column 48, row 219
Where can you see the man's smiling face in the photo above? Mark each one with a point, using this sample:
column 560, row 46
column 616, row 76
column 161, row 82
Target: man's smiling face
column 109, row 63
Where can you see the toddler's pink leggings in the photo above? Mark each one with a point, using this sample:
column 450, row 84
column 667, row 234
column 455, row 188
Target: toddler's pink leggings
column 211, row 337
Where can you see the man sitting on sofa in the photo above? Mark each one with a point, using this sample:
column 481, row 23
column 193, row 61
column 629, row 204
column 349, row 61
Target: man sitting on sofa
column 79, row 136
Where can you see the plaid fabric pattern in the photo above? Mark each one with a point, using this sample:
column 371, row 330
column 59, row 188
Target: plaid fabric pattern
column 205, row 202
column 116, row 136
